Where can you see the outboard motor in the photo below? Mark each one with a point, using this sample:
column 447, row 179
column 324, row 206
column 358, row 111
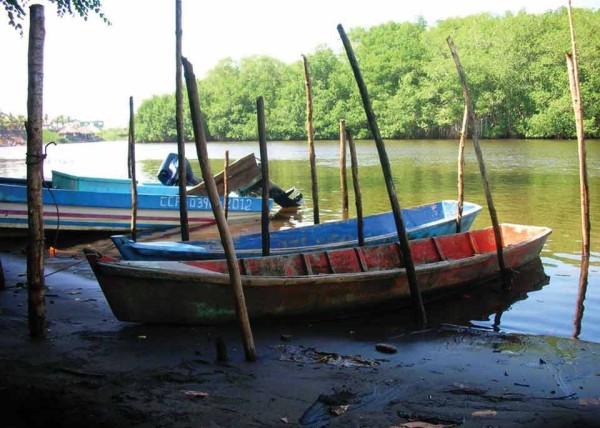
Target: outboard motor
column 168, row 173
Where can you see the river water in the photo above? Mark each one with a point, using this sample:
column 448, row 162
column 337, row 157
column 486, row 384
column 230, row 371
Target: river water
column 533, row 182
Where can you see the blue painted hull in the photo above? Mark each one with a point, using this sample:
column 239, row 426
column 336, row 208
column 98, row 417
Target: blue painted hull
column 421, row 222
column 111, row 211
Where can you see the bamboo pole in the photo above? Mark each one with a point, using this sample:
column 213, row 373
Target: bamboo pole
column 226, row 240
column 478, row 152
column 36, row 307
column 264, row 164
column 132, row 174
column 183, row 213
column 311, row 141
column 356, row 184
column 411, row 274
column 343, row 178
column 226, row 184
column 461, row 170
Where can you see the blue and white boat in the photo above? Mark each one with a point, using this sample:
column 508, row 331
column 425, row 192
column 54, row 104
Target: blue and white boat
column 424, row 221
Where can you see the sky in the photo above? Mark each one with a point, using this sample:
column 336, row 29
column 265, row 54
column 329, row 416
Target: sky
column 91, row 69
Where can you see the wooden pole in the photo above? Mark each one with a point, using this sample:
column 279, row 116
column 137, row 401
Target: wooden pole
column 311, row 141
column 264, row 164
column 411, row 274
column 356, row 185
column 183, row 214
column 226, row 184
column 573, row 71
column 461, row 170
column 36, row 308
column 211, row 187
column 132, row 174
column 478, row 152
column 2, row 279
column 343, row 178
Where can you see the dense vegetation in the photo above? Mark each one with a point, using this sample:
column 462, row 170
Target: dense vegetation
column 515, row 65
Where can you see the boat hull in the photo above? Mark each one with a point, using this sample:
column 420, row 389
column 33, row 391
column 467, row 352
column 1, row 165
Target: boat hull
column 313, row 284
column 423, row 221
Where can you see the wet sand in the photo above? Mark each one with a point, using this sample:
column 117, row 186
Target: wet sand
column 95, row 371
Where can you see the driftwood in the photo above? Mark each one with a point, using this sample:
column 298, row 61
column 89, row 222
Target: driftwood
column 391, row 188
column 478, row 152
column 264, row 164
column 36, row 307
column 132, row 174
column 183, row 214
column 311, row 141
column 226, row 239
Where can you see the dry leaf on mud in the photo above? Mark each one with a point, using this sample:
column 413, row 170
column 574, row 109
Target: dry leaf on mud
column 418, row 424
column 589, row 402
column 195, row 394
column 484, row 413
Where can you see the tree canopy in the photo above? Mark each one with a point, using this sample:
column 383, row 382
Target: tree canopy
column 515, row 66
column 16, row 11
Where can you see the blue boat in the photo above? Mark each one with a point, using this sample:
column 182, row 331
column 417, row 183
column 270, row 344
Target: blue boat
column 424, row 221
column 106, row 205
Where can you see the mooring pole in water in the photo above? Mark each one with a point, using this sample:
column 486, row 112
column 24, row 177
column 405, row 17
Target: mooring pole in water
column 183, row 213
column 132, row 174
column 311, row 141
column 36, row 307
column 264, row 166
column 461, row 170
column 213, row 195
column 226, row 184
column 573, row 70
column 478, row 152
column 343, row 178
column 357, row 194
column 411, row 274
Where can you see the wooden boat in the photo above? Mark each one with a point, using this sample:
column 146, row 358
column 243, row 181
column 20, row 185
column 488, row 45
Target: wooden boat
column 111, row 211
column 434, row 219
column 308, row 284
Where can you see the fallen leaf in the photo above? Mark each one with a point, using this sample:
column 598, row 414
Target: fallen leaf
column 339, row 410
column 284, row 420
column 589, row 402
column 418, row 424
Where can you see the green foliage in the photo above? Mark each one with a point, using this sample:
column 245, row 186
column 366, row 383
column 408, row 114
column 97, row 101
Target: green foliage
column 16, row 12
column 515, row 67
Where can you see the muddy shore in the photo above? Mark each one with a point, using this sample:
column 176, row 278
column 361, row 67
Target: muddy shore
column 95, row 371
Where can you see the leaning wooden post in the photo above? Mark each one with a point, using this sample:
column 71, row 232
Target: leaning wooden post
column 183, row 213
column 264, row 166
column 2, row 280
column 132, row 175
column 213, row 195
column 36, row 307
column 311, row 141
column 461, row 170
column 226, row 184
column 573, row 71
column 411, row 274
column 357, row 194
column 343, row 178
column 484, row 177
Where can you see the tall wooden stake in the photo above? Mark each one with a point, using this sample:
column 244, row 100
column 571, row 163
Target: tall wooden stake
column 573, row 70
column 461, row 170
column 213, row 195
column 36, row 307
column 343, row 178
column 226, row 184
column 411, row 274
column 132, row 174
column 311, row 141
column 264, row 165
column 183, row 214
column 357, row 194
column 484, row 177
